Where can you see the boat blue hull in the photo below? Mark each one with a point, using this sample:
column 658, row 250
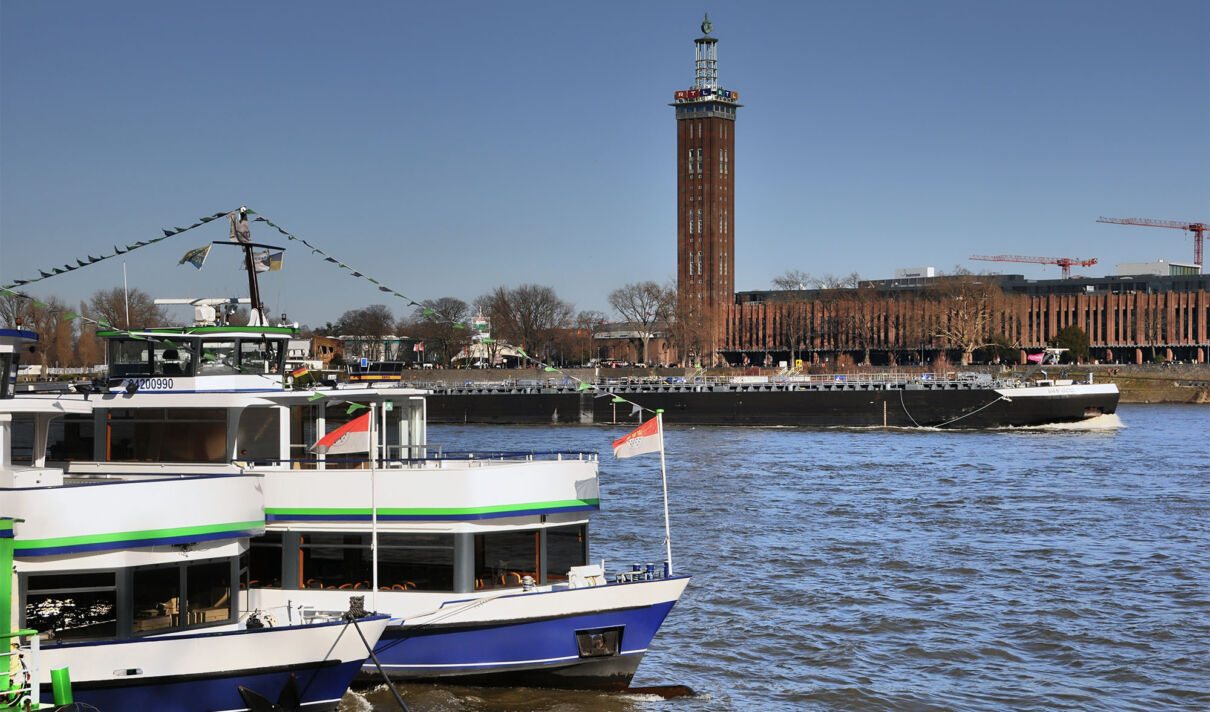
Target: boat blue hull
column 320, row 689
column 536, row 652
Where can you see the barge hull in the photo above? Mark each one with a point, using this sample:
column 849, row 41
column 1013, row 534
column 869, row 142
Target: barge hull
column 839, row 407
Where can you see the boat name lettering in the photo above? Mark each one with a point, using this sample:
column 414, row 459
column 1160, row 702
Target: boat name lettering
column 152, row 384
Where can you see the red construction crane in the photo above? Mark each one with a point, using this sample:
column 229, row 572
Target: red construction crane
column 1064, row 262
column 1198, row 229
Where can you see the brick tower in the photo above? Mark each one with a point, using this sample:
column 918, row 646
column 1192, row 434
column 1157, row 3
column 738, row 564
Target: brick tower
column 705, row 197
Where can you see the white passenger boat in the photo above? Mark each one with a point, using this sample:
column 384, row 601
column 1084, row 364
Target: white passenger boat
column 133, row 577
column 481, row 559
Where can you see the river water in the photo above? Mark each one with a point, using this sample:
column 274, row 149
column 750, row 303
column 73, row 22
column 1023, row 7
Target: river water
column 1027, row 569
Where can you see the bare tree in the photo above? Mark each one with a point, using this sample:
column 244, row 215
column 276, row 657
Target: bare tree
column 528, row 316
column 88, row 346
column 831, row 281
column 586, row 325
column 643, row 304
column 967, row 310
column 793, row 279
column 110, row 306
column 442, row 325
column 45, row 321
column 371, row 325
column 14, row 307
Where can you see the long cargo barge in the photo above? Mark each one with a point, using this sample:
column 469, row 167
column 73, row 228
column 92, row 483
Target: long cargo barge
column 936, row 401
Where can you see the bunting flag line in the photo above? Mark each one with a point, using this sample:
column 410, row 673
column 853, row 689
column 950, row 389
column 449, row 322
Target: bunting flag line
column 240, row 231
column 43, row 274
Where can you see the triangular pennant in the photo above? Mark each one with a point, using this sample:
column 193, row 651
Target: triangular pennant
column 384, row 289
column 81, row 263
column 550, row 369
column 167, row 233
column 207, row 219
column 458, row 326
column 43, row 273
column 316, row 397
column 583, row 386
column 618, row 400
column 69, row 316
column 354, row 407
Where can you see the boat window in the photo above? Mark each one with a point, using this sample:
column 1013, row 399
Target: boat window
column 157, row 595
column 218, row 359
column 504, row 558
column 8, row 374
column 335, row 560
column 156, row 435
column 70, row 438
column 260, row 356
column 209, row 592
column 265, row 561
column 565, row 547
column 422, row 562
column 303, row 433
column 172, row 360
column 72, row 606
column 22, row 446
column 157, row 599
column 258, row 436
column 129, row 358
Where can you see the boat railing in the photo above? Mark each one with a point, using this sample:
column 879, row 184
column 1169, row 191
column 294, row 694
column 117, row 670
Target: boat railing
column 437, row 460
column 699, row 378
column 19, row 686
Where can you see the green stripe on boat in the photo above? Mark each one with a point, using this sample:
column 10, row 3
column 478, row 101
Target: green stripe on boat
column 32, row 544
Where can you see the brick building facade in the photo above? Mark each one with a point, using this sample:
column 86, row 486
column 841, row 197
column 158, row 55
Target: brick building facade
column 1122, row 328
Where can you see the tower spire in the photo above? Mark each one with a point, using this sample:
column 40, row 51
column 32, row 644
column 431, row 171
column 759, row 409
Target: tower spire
column 706, row 64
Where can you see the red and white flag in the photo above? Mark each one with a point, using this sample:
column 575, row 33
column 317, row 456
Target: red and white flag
column 1036, row 358
column 353, row 436
column 643, row 439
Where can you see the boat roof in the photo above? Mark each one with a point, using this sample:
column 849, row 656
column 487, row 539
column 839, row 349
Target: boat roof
column 230, row 332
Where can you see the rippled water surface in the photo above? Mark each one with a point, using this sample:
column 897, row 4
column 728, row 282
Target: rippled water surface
column 1034, row 569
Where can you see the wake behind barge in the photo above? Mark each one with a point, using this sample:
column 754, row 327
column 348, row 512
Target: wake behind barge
column 862, row 400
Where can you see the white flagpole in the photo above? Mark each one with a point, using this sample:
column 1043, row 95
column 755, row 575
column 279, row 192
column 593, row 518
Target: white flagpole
column 373, row 513
column 659, row 422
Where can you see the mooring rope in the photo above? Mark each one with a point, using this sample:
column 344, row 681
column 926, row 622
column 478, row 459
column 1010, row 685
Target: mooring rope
column 953, row 420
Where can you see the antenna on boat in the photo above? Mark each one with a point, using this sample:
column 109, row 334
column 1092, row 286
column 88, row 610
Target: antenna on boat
column 241, row 236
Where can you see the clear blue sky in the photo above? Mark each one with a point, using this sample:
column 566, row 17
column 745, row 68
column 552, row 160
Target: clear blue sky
column 447, row 148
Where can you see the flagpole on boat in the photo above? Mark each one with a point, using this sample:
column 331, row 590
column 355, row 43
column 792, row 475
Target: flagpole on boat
column 373, row 510
column 659, row 420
